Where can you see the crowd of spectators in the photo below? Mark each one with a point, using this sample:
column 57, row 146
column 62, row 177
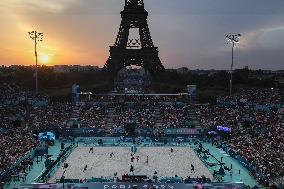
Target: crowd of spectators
column 175, row 115
column 147, row 111
column 16, row 138
column 92, row 115
column 257, row 128
column 24, row 115
column 143, row 116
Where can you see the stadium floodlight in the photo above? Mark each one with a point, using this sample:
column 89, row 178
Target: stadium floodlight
column 36, row 37
column 233, row 40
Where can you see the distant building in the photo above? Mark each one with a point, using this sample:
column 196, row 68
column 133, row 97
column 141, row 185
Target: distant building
column 183, row 70
column 266, row 74
column 74, row 68
column 205, row 72
column 61, row 69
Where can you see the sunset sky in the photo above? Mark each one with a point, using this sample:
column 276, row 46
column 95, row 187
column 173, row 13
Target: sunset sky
column 188, row 33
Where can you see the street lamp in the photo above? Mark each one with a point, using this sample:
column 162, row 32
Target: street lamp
column 232, row 39
column 37, row 37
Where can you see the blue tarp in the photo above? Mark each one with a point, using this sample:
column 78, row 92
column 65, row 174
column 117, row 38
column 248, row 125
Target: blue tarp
column 46, row 136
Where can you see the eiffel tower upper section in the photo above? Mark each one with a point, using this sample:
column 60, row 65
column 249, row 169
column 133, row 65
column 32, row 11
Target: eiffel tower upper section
column 123, row 53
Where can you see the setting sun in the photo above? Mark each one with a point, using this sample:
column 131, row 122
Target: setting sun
column 44, row 58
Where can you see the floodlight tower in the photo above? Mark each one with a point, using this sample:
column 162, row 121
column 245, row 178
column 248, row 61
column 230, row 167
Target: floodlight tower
column 233, row 40
column 37, row 37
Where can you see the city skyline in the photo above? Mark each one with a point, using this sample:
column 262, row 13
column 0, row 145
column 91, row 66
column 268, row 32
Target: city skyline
column 188, row 33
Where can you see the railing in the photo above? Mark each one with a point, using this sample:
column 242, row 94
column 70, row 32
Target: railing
column 243, row 161
column 98, row 132
column 46, row 173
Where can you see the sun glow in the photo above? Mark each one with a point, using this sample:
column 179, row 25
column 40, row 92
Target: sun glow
column 44, row 58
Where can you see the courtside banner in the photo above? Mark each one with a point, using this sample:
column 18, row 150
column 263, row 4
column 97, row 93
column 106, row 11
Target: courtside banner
column 181, row 131
column 124, row 185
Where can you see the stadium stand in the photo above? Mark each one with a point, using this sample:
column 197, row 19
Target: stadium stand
column 252, row 114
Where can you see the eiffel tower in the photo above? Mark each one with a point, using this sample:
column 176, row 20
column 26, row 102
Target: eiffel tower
column 140, row 52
